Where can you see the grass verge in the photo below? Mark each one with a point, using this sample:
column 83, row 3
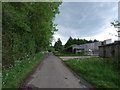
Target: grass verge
column 13, row 76
column 69, row 54
column 97, row 71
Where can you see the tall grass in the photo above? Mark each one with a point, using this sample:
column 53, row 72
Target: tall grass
column 69, row 54
column 102, row 73
column 13, row 76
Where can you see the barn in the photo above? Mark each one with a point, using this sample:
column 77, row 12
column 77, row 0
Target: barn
column 88, row 48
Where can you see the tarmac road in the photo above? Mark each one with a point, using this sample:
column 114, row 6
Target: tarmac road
column 52, row 73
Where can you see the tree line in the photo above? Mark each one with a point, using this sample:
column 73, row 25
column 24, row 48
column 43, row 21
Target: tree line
column 71, row 42
column 28, row 28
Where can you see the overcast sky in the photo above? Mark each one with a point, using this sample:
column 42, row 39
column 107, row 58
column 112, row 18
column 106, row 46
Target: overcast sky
column 89, row 20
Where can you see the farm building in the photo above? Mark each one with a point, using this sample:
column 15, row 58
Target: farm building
column 110, row 50
column 88, row 48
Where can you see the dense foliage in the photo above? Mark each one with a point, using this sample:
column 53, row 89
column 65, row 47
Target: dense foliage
column 27, row 28
column 58, row 45
column 73, row 42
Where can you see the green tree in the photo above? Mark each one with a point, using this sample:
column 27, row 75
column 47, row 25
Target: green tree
column 115, row 23
column 51, row 49
column 69, row 42
column 58, row 45
column 72, row 42
column 28, row 28
column 95, row 40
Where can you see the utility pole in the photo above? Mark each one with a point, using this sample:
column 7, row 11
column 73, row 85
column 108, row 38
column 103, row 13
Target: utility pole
column 119, row 21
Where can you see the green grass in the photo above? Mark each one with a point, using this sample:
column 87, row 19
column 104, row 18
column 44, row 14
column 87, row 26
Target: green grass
column 0, row 82
column 70, row 54
column 97, row 71
column 13, row 76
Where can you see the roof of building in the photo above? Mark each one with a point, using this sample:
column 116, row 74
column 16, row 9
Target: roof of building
column 115, row 43
column 86, row 44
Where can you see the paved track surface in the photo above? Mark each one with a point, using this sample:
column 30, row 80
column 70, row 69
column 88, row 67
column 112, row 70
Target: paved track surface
column 52, row 73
